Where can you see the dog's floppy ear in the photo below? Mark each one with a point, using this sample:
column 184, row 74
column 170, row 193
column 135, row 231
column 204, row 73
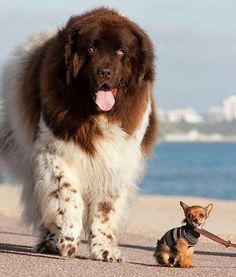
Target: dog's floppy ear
column 184, row 206
column 72, row 58
column 208, row 209
column 145, row 54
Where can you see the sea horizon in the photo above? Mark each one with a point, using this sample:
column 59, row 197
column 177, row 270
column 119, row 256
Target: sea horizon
column 194, row 169
column 199, row 169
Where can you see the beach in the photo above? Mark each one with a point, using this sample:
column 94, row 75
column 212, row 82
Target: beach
column 150, row 217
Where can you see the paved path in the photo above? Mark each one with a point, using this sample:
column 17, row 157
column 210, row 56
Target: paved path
column 18, row 259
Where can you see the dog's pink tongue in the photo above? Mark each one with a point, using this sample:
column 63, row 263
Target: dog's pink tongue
column 105, row 100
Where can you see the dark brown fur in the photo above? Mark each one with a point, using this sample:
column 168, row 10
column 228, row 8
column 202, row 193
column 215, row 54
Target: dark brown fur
column 151, row 133
column 59, row 79
column 105, row 208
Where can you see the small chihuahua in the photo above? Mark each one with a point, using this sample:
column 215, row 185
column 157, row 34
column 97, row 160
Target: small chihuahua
column 176, row 247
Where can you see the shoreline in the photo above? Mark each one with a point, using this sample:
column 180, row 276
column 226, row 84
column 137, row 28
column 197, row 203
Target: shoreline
column 149, row 215
column 140, row 194
column 196, row 141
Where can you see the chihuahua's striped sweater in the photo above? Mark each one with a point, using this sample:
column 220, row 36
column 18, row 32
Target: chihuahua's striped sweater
column 185, row 232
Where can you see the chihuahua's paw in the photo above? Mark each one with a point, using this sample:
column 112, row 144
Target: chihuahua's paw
column 186, row 265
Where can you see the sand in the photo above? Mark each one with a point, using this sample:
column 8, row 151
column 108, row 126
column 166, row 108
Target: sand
column 150, row 217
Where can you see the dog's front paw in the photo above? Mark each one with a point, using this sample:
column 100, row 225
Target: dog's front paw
column 185, row 265
column 68, row 247
column 106, row 253
column 47, row 247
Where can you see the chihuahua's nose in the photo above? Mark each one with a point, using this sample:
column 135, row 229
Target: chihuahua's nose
column 195, row 220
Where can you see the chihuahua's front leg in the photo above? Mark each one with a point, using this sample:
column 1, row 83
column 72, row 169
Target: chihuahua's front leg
column 184, row 253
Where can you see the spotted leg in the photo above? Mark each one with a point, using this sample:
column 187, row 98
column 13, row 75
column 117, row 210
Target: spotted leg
column 104, row 220
column 60, row 205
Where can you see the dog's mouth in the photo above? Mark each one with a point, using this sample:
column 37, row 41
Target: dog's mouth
column 196, row 224
column 105, row 97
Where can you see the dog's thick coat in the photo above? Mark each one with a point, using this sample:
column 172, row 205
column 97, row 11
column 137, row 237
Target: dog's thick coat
column 78, row 120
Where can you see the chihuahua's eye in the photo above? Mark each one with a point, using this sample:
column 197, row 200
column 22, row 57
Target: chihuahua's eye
column 190, row 216
column 120, row 53
column 201, row 215
column 91, row 49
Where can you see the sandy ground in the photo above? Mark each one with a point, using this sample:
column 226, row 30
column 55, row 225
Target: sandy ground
column 150, row 217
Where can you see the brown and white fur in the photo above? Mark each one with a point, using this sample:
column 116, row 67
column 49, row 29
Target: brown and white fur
column 68, row 185
column 180, row 254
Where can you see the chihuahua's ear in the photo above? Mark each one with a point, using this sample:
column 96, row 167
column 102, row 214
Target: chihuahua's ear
column 208, row 209
column 184, row 206
column 72, row 58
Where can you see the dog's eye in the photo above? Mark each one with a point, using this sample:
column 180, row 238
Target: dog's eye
column 201, row 215
column 120, row 53
column 190, row 216
column 91, row 49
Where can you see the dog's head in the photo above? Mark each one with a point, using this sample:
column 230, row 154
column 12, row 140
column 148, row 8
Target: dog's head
column 109, row 54
column 196, row 215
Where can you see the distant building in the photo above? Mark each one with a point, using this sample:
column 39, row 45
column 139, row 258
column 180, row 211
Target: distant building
column 215, row 114
column 188, row 115
column 195, row 135
column 162, row 115
column 227, row 112
column 229, row 108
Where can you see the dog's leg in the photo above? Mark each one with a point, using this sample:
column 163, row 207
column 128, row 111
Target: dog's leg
column 163, row 254
column 104, row 217
column 60, row 204
column 189, row 255
column 47, row 243
column 184, row 253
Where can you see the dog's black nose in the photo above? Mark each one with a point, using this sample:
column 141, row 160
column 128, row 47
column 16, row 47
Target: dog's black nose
column 104, row 72
column 195, row 220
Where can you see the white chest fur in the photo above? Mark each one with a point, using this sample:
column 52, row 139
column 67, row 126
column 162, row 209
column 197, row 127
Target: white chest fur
column 117, row 163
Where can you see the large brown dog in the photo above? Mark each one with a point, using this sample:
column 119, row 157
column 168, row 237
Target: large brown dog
column 78, row 120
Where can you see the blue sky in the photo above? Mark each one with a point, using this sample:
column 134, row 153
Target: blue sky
column 195, row 41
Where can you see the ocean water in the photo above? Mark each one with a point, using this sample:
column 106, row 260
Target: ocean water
column 192, row 169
